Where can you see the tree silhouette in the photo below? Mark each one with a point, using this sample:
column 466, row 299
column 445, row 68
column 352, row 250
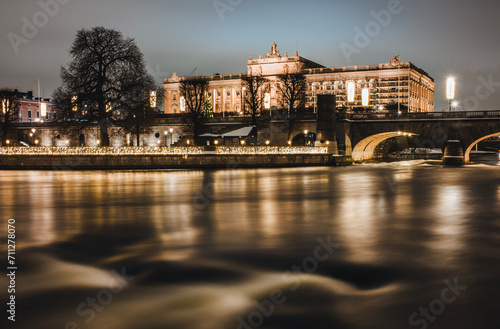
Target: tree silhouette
column 292, row 89
column 103, row 77
column 193, row 90
column 254, row 95
column 140, row 110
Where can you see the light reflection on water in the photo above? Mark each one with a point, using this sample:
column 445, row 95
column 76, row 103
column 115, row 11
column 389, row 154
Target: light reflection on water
column 203, row 246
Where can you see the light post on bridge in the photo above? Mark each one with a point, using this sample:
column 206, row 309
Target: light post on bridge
column 450, row 91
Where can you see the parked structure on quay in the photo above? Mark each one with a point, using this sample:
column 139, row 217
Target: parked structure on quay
column 374, row 87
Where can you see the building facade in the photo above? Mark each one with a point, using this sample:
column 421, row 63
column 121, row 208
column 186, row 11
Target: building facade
column 33, row 109
column 373, row 87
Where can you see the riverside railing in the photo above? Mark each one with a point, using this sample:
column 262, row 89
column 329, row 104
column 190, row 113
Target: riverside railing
column 421, row 115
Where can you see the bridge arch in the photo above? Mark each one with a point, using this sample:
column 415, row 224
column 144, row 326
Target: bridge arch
column 365, row 148
column 471, row 146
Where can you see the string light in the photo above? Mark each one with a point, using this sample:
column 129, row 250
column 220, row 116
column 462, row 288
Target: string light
column 193, row 150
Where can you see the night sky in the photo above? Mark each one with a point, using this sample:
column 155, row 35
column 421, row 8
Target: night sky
column 456, row 38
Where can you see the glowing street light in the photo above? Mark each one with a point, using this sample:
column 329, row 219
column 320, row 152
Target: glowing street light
column 450, row 90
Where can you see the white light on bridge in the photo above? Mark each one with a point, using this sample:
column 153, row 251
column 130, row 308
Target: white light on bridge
column 366, row 97
column 351, row 89
column 450, row 89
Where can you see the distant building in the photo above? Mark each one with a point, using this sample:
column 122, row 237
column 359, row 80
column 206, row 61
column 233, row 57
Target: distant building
column 381, row 84
column 31, row 108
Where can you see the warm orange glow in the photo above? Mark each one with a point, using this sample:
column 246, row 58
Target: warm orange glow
column 152, row 99
column 183, row 104
column 5, row 106
column 74, row 104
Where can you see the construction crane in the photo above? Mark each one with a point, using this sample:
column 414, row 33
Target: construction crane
column 194, row 73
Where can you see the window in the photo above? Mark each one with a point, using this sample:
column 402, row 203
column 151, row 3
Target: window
column 38, row 114
column 175, row 96
column 29, row 114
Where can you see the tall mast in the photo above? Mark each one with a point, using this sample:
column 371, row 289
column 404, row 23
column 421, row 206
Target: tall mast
column 38, row 79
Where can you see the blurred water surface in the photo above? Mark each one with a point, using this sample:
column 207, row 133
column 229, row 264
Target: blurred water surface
column 208, row 249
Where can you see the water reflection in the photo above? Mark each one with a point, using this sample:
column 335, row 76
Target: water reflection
column 211, row 244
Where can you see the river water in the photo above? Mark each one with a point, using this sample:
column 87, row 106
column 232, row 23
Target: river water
column 383, row 245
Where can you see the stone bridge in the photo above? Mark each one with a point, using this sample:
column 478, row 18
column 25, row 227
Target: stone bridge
column 456, row 133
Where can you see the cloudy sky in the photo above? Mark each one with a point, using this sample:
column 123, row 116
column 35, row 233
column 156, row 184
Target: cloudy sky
column 458, row 38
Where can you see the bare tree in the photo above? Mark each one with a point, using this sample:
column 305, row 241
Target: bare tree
column 292, row 89
column 9, row 110
column 193, row 90
column 254, row 94
column 105, row 72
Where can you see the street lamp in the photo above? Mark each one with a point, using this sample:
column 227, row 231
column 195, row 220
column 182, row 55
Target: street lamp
column 450, row 90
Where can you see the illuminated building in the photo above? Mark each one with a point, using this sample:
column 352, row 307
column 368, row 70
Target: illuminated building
column 377, row 85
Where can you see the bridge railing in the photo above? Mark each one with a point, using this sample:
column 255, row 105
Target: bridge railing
column 421, row 115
